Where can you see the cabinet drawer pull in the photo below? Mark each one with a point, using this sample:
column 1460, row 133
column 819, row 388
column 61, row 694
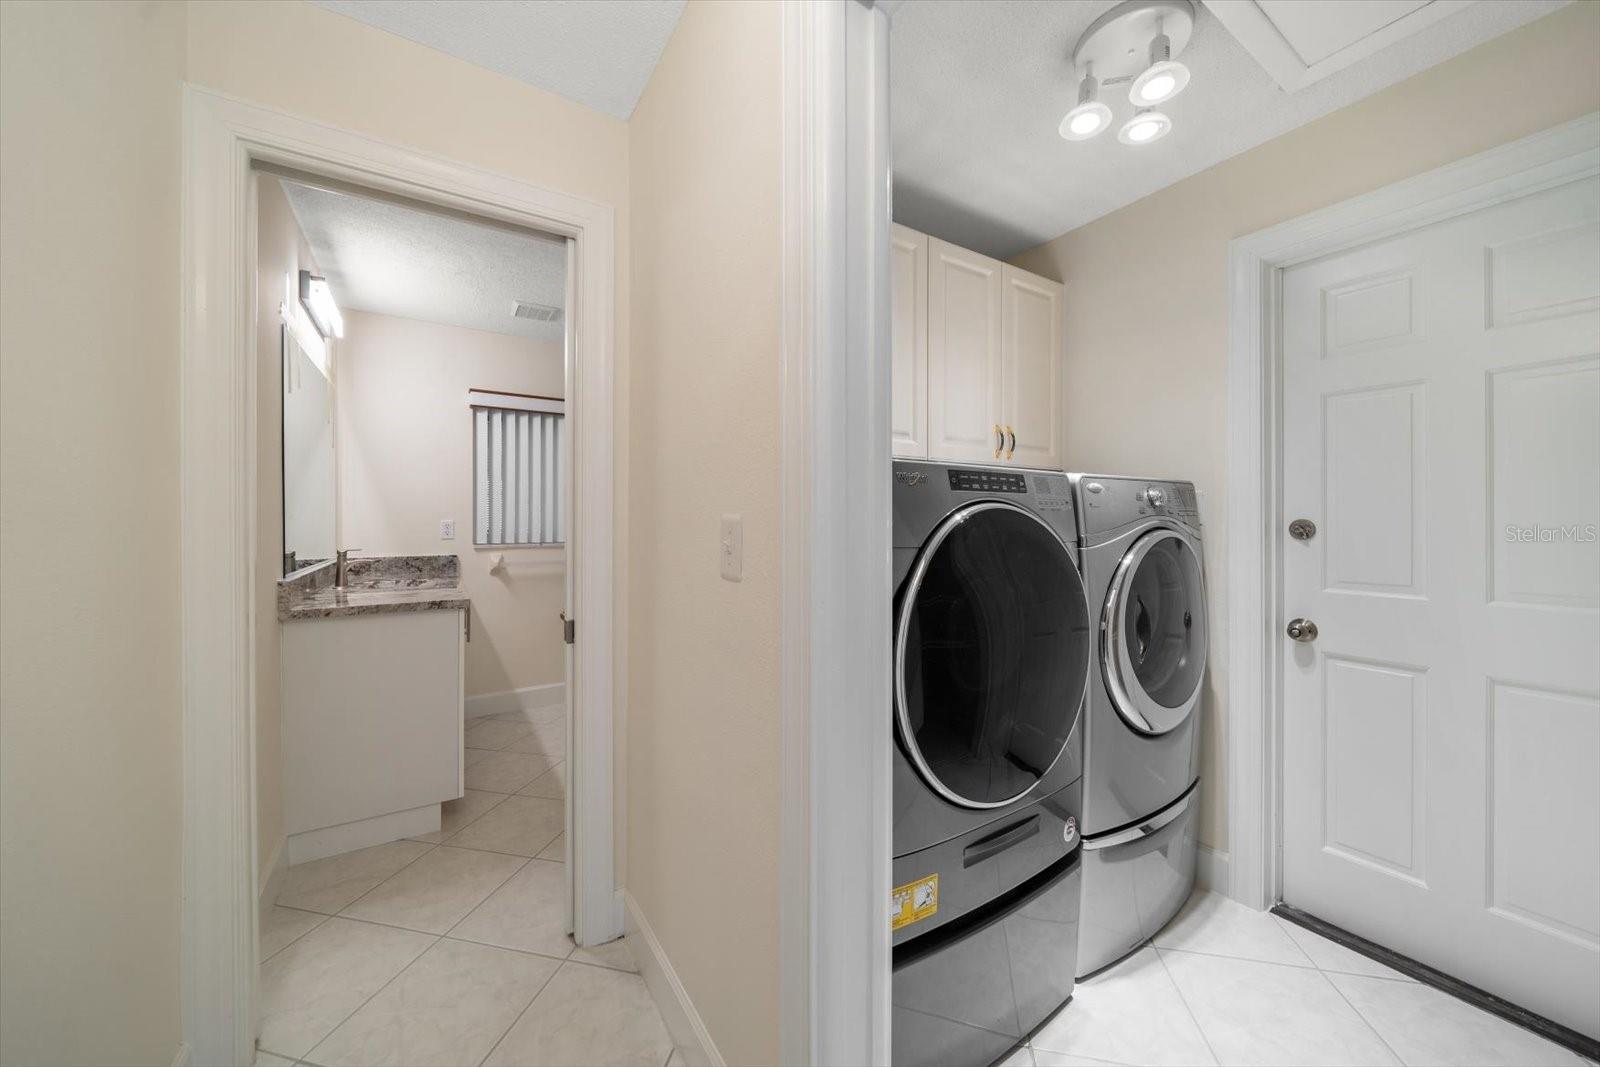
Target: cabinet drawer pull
column 1012, row 448
column 999, row 441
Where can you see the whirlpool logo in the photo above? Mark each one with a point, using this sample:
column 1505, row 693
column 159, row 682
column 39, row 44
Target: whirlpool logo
column 910, row 478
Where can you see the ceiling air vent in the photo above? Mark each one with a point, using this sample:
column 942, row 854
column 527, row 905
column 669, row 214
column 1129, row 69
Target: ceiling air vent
column 536, row 312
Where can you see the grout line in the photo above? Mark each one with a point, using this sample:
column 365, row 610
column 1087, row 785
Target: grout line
column 1362, row 1016
column 409, row 964
column 1201, row 1030
column 1241, row 959
column 525, row 1009
column 304, row 911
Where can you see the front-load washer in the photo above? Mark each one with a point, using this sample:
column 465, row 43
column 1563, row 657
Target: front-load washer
column 1141, row 555
column 992, row 649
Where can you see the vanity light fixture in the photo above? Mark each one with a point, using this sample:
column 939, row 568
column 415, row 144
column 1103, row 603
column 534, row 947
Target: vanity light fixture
column 1147, row 125
column 1090, row 117
column 317, row 299
column 1133, row 44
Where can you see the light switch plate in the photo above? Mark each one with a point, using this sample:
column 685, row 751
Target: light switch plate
column 732, row 547
column 447, row 529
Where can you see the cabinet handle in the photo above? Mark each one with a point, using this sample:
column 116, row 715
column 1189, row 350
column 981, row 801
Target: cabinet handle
column 1013, row 446
column 999, row 441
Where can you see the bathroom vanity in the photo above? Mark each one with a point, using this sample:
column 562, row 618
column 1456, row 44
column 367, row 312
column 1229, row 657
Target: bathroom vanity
column 373, row 679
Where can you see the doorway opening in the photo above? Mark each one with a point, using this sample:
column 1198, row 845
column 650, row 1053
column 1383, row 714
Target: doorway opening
column 411, row 734
column 235, row 549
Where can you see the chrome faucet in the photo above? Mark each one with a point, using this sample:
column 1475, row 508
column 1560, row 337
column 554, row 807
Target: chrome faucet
column 341, row 567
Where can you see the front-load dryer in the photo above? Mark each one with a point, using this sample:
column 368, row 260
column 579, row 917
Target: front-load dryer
column 992, row 650
column 1141, row 555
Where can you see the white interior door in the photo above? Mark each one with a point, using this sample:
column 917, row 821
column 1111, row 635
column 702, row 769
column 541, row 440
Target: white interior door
column 570, row 537
column 963, row 353
column 1030, row 369
column 908, row 319
column 1441, row 402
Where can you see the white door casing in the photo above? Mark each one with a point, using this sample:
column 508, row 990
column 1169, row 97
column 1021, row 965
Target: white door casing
column 223, row 139
column 1441, row 735
column 1030, row 368
column 908, row 293
column 964, row 340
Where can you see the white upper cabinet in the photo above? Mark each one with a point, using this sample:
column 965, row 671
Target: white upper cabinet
column 1030, row 369
column 977, row 356
column 964, row 292
column 908, row 293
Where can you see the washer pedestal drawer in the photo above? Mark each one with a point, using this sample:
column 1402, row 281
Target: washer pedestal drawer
column 967, row 993
column 1131, row 890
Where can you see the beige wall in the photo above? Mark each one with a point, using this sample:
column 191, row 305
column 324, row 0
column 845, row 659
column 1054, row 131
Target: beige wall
column 280, row 249
column 89, row 557
column 90, row 818
column 1157, row 347
column 405, row 462
column 703, row 783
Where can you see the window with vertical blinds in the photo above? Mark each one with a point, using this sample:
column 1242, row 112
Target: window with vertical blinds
column 517, row 464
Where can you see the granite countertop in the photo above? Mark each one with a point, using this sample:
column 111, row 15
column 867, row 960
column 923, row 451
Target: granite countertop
column 378, row 585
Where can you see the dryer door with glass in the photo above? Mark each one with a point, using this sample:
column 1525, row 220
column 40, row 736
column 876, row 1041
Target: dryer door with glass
column 992, row 652
column 1153, row 632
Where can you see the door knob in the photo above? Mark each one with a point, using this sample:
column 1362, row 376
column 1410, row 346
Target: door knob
column 1302, row 630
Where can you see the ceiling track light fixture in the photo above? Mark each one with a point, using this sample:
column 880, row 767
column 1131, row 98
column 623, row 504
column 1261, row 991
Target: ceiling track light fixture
column 1090, row 117
column 1136, row 41
column 1147, row 125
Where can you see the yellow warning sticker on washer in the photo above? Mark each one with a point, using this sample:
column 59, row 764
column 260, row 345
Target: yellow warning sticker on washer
column 914, row 900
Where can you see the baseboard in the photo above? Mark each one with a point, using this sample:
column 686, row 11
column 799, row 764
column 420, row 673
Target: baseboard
column 272, row 875
column 1212, row 870
column 363, row 833
column 688, row 1030
column 183, row 1058
column 525, row 699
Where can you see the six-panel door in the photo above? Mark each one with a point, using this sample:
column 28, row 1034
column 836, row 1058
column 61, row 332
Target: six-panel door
column 1441, row 426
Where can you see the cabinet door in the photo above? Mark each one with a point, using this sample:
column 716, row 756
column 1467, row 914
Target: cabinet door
column 963, row 353
column 1030, row 368
column 908, row 295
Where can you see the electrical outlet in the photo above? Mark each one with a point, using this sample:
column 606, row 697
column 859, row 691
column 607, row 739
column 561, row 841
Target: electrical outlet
column 447, row 529
column 732, row 547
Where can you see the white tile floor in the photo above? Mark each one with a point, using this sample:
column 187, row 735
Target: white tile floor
column 452, row 949
column 1226, row 985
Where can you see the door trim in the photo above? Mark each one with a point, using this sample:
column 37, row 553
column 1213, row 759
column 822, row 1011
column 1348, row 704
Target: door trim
column 222, row 139
column 1557, row 156
column 835, row 732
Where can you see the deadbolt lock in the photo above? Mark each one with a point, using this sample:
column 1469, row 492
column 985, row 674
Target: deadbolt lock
column 1302, row 529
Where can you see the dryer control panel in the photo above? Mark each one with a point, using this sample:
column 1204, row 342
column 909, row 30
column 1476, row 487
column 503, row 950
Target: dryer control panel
column 1109, row 503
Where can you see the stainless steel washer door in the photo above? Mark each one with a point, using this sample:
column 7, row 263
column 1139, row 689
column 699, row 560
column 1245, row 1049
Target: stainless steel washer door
column 992, row 652
column 1154, row 632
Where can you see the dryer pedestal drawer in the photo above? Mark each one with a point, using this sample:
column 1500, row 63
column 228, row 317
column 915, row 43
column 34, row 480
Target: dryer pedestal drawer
column 968, row 992
column 1132, row 889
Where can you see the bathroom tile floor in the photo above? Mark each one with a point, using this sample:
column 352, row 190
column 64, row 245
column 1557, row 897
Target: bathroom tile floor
column 1223, row 984
column 452, row 949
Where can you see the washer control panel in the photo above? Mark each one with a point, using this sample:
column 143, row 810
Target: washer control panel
column 982, row 481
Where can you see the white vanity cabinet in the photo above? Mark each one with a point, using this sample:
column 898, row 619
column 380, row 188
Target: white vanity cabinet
column 372, row 727
column 976, row 354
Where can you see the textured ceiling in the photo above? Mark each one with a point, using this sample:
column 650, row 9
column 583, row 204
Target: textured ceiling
column 597, row 52
column 978, row 89
column 397, row 260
